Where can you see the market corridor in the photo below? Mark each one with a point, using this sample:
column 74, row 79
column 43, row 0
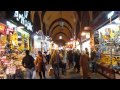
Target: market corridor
column 30, row 40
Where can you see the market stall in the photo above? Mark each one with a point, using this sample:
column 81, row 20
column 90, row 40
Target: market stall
column 14, row 39
column 10, row 64
column 109, row 48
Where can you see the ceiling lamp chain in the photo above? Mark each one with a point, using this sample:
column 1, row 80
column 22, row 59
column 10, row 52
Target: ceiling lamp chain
column 61, row 21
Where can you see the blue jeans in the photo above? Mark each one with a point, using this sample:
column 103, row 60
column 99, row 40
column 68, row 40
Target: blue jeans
column 29, row 73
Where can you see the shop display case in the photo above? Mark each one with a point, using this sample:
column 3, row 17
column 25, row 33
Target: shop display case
column 106, row 71
column 109, row 47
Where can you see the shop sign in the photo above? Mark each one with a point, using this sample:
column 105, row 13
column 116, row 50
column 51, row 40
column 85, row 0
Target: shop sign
column 110, row 14
column 22, row 18
column 2, row 28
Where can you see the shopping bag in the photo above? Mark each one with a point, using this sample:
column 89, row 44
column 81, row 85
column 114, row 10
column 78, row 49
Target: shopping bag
column 51, row 71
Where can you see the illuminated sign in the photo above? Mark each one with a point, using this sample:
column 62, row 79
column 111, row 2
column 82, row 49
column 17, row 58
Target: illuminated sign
column 110, row 14
column 22, row 18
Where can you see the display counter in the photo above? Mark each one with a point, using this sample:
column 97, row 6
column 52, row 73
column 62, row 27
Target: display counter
column 106, row 71
column 108, row 46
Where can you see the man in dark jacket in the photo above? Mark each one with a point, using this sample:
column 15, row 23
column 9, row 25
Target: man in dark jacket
column 28, row 63
column 77, row 61
column 70, row 59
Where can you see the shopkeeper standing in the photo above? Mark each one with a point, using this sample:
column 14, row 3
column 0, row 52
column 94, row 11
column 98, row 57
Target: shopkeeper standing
column 28, row 63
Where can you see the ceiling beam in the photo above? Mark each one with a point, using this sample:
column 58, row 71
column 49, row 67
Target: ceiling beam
column 58, row 20
column 58, row 26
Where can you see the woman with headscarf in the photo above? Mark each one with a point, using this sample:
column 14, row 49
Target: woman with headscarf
column 84, row 62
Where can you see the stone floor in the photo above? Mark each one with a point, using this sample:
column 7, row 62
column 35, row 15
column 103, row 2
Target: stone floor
column 71, row 74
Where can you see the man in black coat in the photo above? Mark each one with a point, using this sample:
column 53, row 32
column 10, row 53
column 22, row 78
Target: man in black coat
column 77, row 61
column 28, row 63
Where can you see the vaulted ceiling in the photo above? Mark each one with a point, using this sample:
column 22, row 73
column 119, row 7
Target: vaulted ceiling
column 62, row 23
column 54, row 29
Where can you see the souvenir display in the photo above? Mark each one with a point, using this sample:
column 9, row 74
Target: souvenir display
column 109, row 48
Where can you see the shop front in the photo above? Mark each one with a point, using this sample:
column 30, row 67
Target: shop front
column 2, row 38
column 17, row 38
column 23, row 40
column 47, row 44
column 37, row 44
column 85, row 40
column 19, row 30
column 86, row 44
column 77, row 45
column 41, row 42
column 107, row 42
column 14, row 40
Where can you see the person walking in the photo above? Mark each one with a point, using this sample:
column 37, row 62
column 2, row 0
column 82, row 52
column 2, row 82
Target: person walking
column 55, row 62
column 70, row 59
column 63, row 58
column 85, row 65
column 28, row 63
column 40, row 65
column 77, row 61
column 48, row 56
column 86, row 51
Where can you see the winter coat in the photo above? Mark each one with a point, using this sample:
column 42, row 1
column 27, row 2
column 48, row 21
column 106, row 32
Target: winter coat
column 39, row 64
column 85, row 65
column 28, row 62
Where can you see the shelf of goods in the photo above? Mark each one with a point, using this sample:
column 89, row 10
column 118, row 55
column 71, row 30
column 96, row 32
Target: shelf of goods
column 104, row 66
column 10, row 67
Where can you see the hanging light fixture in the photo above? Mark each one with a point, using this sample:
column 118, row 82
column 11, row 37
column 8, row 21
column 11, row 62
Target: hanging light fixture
column 61, row 24
column 61, row 21
column 60, row 37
